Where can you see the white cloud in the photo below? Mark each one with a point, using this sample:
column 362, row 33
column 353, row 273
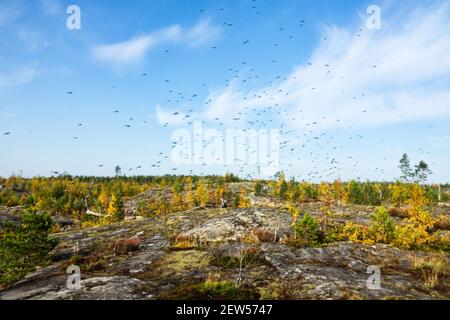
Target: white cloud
column 124, row 52
column 400, row 73
column 20, row 77
column 201, row 33
column 225, row 104
column 135, row 49
column 33, row 40
column 169, row 118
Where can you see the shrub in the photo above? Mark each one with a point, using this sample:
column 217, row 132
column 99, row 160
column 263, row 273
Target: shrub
column 308, row 230
column 398, row 194
column 411, row 236
column 201, row 194
column 263, row 235
column 25, row 246
column 307, row 192
column 124, row 246
column 258, row 189
column 382, row 229
column 445, row 197
column 355, row 192
column 431, row 194
column 365, row 193
column 415, row 233
column 281, row 186
column 398, row 212
column 244, row 202
column 333, row 231
column 355, row 233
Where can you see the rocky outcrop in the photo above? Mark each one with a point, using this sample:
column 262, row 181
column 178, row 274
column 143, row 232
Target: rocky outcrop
column 341, row 270
column 96, row 288
column 151, row 195
column 164, row 257
column 240, row 223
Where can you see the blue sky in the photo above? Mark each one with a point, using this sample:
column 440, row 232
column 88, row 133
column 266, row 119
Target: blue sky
column 348, row 100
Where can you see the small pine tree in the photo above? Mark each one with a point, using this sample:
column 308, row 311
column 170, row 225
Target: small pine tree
column 258, row 189
column 189, row 199
column 177, row 197
column 272, row 188
column 218, row 195
column 115, row 209
column 326, row 196
column 382, row 229
column 202, row 194
column 422, row 171
column 103, row 199
column 25, row 246
column 118, row 171
column 281, row 185
column 405, row 168
column 308, row 230
column 243, row 200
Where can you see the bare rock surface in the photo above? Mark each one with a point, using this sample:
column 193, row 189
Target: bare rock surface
column 165, row 256
column 238, row 224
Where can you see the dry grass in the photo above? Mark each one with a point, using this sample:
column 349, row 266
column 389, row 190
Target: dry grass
column 184, row 243
column 296, row 243
column 125, row 246
column 398, row 212
column 442, row 222
column 432, row 267
column 261, row 235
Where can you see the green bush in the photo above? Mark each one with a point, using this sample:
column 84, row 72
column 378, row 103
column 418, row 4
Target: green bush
column 431, row 194
column 365, row 193
column 382, row 229
column 258, row 189
column 24, row 246
column 445, row 197
column 308, row 230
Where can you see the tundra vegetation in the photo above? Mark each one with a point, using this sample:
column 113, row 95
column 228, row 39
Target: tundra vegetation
column 407, row 214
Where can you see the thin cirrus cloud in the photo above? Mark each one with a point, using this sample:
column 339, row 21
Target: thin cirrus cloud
column 363, row 78
column 165, row 117
column 51, row 7
column 135, row 50
column 18, row 77
column 203, row 32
